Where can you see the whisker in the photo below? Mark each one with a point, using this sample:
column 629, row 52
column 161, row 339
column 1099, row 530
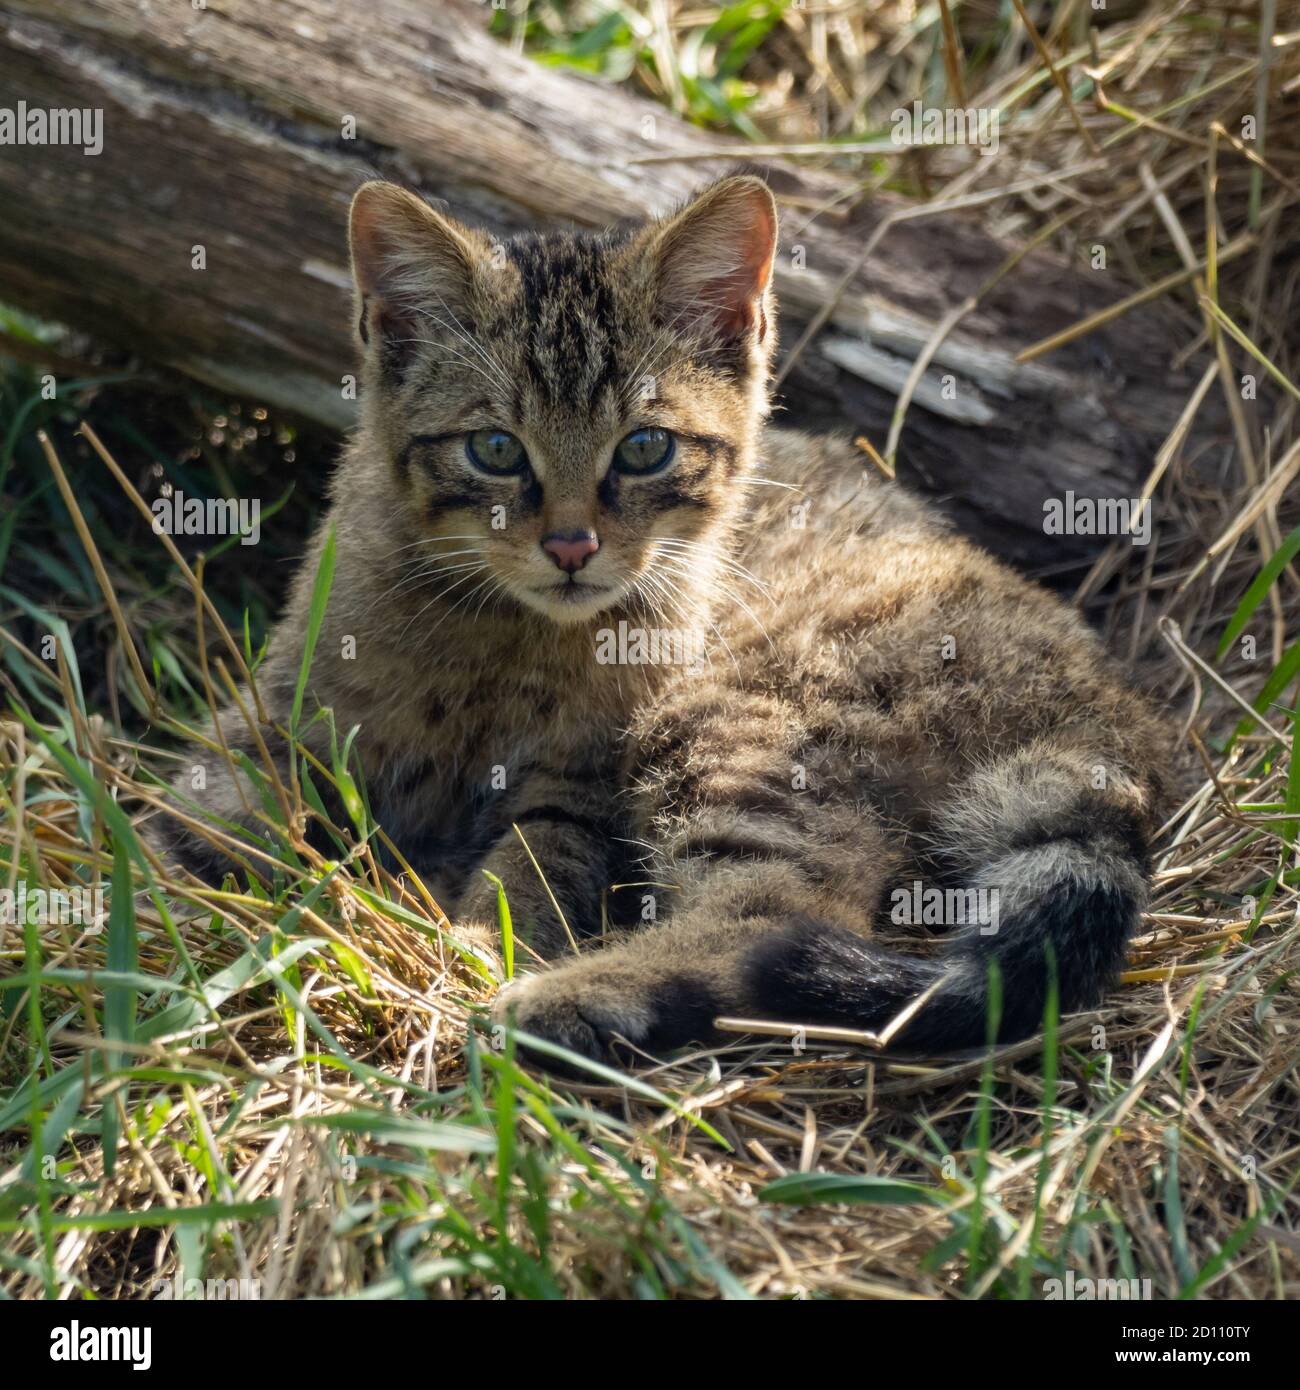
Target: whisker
column 495, row 371
column 440, row 595
column 465, row 599
column 422, row 569
column 666, row 585
column 729, row 593
column 432, row 540
column 697, row 547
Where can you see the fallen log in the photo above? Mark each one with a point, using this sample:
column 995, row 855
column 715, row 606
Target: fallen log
column 208, row 234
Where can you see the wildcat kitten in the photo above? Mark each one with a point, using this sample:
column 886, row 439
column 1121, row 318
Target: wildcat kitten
column 562, row 439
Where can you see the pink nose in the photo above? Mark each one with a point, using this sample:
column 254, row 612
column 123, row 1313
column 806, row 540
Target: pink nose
column 570, row 549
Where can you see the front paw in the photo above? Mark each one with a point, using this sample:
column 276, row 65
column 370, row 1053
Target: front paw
column 580, row 1009
column 589, row 1006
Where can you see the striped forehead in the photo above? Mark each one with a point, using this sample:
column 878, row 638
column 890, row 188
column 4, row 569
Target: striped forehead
column 572, row 332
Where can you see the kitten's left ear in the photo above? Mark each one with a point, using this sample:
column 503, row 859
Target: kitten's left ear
column 409, row 261
column 714, row 258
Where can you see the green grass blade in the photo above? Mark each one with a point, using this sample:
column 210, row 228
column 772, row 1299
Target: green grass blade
column 1260, row 586
column 316, row 616
column 119, row 999
column 507, row 927
column 808, row 1189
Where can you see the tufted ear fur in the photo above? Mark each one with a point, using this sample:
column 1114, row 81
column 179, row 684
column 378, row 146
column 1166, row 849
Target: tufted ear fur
column 715, row 260
column 411, row 265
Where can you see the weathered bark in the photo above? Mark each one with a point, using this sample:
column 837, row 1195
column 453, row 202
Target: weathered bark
column 225, row 128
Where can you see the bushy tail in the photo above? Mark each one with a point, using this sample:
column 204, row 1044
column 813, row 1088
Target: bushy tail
column 1080, row 891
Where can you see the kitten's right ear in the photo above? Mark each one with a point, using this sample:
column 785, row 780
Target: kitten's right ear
column 715, row 259
column 410, row 264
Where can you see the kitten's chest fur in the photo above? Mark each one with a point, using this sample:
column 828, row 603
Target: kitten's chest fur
column 452, row 735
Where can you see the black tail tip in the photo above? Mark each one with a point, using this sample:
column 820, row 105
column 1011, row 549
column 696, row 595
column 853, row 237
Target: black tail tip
column 814, row 972
column 1075, row 932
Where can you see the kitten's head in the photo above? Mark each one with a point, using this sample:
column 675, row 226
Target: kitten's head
column 573, row 413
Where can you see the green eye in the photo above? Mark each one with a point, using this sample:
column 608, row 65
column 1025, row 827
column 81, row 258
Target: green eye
column 645, row 451
column 495, row 451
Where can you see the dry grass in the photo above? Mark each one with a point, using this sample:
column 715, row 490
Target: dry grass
column 281, row 1080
